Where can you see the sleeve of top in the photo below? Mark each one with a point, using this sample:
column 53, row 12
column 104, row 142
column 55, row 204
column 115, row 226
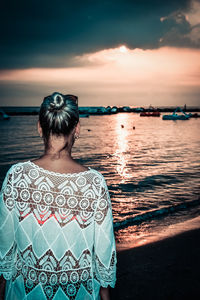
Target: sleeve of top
column 7, row 240
column 104, row 241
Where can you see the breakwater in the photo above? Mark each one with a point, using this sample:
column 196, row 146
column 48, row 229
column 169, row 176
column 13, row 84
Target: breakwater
column 93, row 110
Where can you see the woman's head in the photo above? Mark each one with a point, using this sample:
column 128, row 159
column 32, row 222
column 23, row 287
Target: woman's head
column 58, row 115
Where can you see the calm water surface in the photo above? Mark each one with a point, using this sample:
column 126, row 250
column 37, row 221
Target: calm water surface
column 153, row 171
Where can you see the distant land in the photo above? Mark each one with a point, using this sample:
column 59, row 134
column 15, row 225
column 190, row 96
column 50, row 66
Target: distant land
column 96, row 110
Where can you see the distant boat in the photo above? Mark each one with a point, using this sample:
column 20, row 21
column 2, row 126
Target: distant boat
column 126, row 108
column 3, row 115
column 138, row 109
column 195, row 115
column 175, row 116
column 150, row 112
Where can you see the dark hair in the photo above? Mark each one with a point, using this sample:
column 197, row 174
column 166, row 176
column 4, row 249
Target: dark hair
column 58, row 115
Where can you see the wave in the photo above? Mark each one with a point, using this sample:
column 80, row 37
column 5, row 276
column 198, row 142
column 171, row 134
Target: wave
column 148, row 183
column 153, row 214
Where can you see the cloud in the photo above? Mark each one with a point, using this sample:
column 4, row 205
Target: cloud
column 184, row 27
column 164, row 65
column 164, row 76
column 49, row 34
column 193, row 15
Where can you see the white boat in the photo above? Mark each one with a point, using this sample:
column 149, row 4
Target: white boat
column 175, row 116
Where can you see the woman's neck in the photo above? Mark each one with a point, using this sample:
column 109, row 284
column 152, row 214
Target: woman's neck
column 54, row 154
column 58, row 148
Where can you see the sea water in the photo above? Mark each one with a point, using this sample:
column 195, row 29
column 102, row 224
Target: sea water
column 152, row 168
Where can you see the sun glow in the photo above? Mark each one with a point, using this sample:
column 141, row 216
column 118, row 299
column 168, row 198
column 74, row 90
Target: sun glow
column 123, row 49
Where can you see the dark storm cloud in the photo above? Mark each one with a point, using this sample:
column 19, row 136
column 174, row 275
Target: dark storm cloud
column 48, row 33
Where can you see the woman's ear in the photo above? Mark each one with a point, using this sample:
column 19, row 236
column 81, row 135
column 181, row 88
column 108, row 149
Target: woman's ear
column 39, row 128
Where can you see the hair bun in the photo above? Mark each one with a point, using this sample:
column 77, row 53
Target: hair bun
column 58, row 115
column 58, row 101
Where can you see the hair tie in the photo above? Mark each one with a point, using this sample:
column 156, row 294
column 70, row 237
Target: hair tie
column 58, row 102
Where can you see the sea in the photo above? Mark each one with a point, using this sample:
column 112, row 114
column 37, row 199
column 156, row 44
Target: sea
column 151, row 166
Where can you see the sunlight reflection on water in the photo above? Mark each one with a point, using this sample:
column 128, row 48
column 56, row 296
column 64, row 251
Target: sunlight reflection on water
column 122, row 153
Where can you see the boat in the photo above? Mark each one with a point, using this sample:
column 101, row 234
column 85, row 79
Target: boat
column 150, row 112
column 195, row 115
column 3, row 115
column 175, row 116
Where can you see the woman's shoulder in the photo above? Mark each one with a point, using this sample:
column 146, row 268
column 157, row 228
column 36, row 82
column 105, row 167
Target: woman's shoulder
column 27, row 165
column 30, row 168
column 12, row 173
column 17, row 167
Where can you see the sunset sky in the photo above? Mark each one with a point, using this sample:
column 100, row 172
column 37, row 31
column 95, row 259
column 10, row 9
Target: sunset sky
column 117, row 52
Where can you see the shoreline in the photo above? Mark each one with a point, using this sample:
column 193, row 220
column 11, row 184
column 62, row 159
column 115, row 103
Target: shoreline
column 160, row 235
column 163, row 270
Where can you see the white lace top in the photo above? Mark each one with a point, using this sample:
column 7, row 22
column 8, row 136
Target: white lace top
column 56, row 234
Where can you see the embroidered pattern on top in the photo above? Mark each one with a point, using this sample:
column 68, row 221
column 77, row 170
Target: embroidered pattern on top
column 72, row 199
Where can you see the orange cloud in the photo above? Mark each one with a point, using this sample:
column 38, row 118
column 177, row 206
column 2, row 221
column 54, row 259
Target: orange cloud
column 165, row 65
column 121, row 71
